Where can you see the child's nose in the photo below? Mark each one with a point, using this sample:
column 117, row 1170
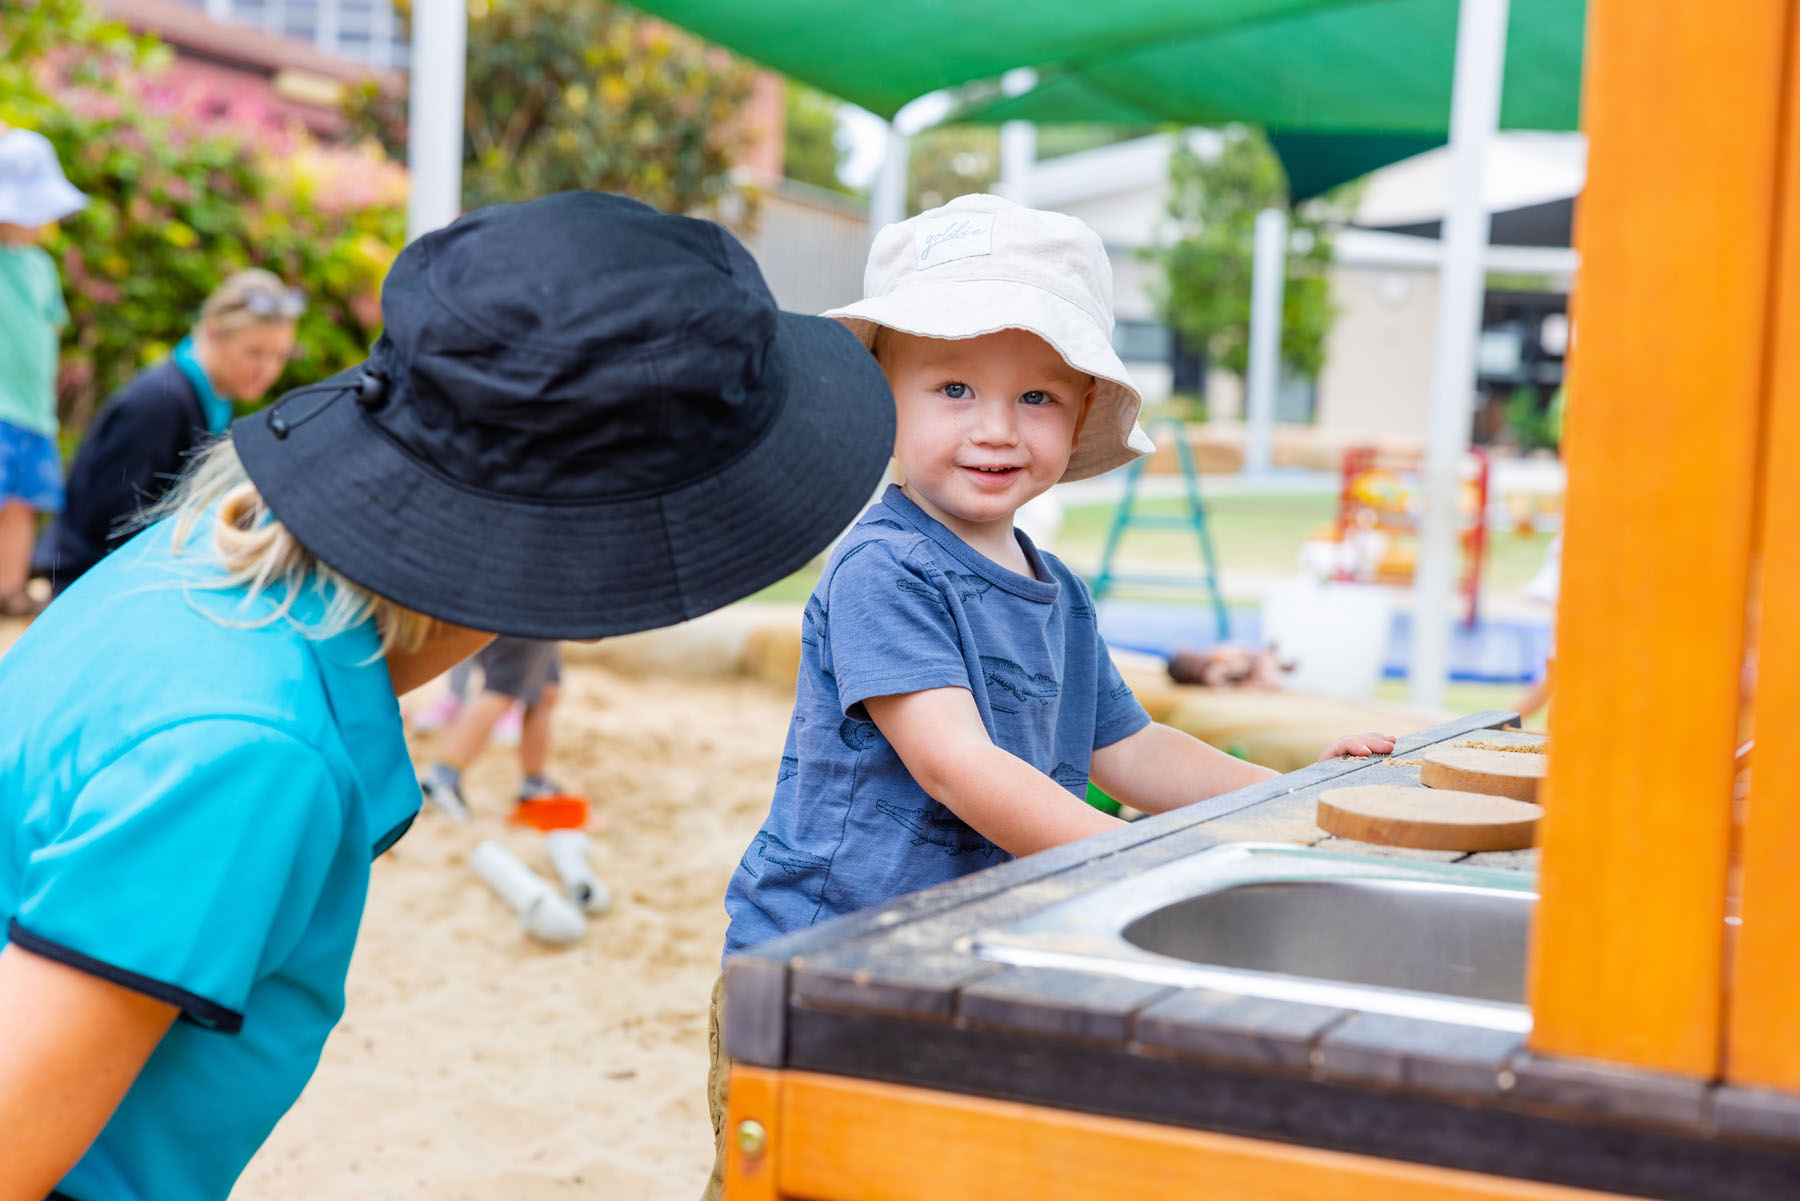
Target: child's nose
column 996, row 424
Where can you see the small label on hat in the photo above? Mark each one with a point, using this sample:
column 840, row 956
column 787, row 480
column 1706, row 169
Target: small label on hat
column 950, row 238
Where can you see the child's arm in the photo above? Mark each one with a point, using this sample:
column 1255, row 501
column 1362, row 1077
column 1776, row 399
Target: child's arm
column 939, row 737
column 1160, row 768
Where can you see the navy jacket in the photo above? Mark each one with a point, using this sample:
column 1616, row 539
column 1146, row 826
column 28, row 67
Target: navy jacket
column 132, row 455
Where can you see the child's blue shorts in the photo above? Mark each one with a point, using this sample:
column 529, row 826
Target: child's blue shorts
column 30, row 469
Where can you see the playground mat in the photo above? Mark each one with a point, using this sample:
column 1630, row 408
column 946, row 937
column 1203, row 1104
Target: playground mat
column 1493, row 651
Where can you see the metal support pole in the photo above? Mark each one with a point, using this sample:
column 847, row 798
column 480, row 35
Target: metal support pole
column 1474, row 114
column 887, row 204
column 435, row 115
column 1018, row 154
column 1268, row 274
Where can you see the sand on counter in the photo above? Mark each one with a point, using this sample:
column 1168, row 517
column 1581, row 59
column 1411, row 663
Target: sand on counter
column 473, row 1063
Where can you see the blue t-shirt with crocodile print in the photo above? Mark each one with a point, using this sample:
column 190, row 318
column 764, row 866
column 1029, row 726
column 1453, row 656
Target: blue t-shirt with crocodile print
column 905, row 605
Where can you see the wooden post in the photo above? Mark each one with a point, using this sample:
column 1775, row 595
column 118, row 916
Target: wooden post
column 1763, row 1023
column 1676, row 229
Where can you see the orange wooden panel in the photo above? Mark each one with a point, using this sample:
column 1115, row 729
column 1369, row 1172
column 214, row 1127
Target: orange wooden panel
column 1676, row 232
column 855, row 1140
column 754, row 1095
column 1763, row 1023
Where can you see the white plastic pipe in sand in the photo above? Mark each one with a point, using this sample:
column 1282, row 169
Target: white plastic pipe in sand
column 569, row 856
column 544, row 913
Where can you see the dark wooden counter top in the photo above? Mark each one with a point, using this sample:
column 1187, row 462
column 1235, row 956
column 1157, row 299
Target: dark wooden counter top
column 894, row 993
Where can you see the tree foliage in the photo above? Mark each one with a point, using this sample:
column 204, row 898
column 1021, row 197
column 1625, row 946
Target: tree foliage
column 813, row 150
column 1204, row 293
column 176, row 203
column 49, row 44
column 947, row 161
column 567, row 94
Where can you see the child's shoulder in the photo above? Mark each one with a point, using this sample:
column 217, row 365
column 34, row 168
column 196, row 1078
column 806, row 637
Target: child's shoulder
column 882, row 535
column 879, row 554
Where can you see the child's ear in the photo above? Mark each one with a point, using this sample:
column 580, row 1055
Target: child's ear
column 1087, row 406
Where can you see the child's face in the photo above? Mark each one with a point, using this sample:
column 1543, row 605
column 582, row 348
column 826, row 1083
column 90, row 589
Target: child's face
column 984, row 424
column 20, row 235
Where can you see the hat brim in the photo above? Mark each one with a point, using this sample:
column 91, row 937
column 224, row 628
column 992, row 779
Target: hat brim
column 53, row 201
column 562, row 569
column 963, row 308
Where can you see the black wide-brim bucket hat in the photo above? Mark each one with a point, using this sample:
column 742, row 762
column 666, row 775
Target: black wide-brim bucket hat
column 584, row 418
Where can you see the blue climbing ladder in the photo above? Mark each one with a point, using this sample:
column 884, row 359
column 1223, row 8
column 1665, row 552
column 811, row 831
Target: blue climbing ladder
column 1127, row 517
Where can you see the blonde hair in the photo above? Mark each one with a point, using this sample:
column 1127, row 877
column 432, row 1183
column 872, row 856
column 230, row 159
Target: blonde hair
column 229, row 308
column 256, row 552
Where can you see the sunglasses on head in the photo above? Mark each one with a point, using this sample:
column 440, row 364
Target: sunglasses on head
column 263, row 302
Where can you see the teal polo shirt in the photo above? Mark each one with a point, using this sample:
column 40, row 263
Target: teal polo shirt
column 31, row 314
column 188, row 808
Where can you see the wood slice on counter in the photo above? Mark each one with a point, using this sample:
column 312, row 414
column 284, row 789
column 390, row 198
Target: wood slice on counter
column 1514, row 774
column 1428, row 819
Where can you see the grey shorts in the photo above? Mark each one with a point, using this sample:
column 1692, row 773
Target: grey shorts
column 518, row 667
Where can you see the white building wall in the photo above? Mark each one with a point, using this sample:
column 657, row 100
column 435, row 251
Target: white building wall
column 811, row 248
column 1377, row 374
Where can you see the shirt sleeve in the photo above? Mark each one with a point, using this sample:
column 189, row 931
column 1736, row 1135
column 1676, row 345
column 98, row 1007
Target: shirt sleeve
column 890, row 629
column 1117, row 713
column 188, row 866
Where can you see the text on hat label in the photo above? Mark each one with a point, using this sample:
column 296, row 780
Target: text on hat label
column 960, row 237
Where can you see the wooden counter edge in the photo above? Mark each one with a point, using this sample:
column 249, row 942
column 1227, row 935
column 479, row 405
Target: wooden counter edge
column 829, row 1138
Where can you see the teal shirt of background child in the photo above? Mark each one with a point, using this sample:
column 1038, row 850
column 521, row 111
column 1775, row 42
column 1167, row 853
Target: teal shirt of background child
column 904, row 606
column 196, row 826
column 31, row 316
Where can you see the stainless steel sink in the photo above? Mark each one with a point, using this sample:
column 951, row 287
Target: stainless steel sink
column 1415, row 939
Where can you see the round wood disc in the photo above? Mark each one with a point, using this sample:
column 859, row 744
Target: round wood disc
column 1514, row 774
column 1430, row 819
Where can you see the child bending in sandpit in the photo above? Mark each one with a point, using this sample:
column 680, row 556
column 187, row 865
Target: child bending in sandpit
column 522, row 671
column 955, row 696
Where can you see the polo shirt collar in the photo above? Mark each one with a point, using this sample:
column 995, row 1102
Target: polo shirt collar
column 361, row 696
column 353, row 674
column 215, row 408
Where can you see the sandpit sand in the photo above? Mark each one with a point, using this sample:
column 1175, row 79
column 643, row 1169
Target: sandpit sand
column 475, row 1064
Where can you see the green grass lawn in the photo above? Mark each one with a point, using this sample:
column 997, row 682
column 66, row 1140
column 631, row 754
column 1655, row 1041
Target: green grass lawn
column 1256, row 535
column 1460, row 698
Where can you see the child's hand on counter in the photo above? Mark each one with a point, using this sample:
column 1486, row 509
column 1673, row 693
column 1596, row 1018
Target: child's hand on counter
column 1359, row 745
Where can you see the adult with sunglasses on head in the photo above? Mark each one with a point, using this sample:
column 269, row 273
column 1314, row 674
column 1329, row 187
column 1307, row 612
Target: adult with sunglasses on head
column 142, row 438
column 583, row 418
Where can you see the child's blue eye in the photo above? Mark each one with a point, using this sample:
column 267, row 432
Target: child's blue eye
column 955, row 391
column 1035, row 398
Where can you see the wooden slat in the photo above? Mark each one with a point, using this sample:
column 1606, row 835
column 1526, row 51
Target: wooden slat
column 1675, row 229
column 755, row 1095
column 1763, row 1026
column 854, row 1140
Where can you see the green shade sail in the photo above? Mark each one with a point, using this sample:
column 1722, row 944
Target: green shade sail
column 1344, row 85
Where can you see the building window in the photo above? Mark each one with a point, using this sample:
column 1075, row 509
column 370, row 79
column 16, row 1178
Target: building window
column 1143, row 341
column 363, row 31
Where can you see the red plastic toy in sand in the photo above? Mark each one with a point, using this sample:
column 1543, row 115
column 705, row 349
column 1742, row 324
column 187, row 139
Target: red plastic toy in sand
column 555, row 811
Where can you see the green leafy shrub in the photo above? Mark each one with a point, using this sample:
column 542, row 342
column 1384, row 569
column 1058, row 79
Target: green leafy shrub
column 178, row 202
column 170, row 216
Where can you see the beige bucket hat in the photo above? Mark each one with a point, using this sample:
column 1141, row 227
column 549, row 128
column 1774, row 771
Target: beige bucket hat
column 982, row 264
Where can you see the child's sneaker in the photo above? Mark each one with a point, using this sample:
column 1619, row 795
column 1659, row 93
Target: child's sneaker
column 532, row 787
column 510, row 727
column 443, row 788
column 438, row 713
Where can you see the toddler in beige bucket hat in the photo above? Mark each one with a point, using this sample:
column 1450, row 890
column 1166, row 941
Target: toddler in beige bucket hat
column 982, row 264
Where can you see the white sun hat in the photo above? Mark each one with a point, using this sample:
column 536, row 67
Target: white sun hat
column 33, row 189
column 982, row 264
